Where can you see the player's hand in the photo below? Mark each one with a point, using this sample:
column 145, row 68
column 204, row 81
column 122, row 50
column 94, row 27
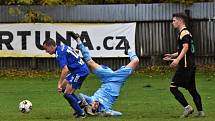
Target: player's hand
column 168, row 57
column 174, row 63
column 59, row 88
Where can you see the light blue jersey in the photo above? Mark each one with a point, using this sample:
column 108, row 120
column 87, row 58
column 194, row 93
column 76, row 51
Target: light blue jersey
column 112, row 82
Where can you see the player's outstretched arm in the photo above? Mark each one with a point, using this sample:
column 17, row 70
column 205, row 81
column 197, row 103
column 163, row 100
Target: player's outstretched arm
column 134, row 60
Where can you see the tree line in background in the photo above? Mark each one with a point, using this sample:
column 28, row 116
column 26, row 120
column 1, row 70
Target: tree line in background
column 75, row 2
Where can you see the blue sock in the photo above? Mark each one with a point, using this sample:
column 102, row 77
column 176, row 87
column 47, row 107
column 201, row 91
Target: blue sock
column 85, row 52
column 77, row 99
column 132, row 55
column 74, row 104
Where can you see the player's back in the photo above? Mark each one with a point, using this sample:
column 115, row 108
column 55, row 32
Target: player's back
column 66, row 55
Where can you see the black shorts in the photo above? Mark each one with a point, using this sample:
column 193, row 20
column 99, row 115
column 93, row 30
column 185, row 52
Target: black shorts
column 184, row 77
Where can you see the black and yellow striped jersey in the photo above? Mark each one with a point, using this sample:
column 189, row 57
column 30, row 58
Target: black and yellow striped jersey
column 185, row 36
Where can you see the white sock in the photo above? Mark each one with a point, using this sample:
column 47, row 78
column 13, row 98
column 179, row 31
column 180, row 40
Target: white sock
column 129, row 50
column 78, row 40
column 187, row 107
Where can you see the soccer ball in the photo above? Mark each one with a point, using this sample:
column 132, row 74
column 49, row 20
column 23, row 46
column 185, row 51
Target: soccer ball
column 25, row 106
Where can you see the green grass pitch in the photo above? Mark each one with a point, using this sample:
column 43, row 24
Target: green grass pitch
column 144, row 97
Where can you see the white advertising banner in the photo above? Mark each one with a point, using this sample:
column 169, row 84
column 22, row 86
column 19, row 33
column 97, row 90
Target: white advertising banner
column 102, row 40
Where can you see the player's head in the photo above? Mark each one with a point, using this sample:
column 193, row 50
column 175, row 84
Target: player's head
column 179, row 19
column 95, row 106
column 49, row 46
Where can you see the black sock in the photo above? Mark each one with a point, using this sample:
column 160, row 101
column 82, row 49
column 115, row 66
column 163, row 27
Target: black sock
column 196, row 98
column 179, row 96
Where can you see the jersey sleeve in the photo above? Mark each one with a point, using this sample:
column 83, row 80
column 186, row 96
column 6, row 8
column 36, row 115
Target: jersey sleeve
column 62, row 60
column 185, row 36
column 186, row 39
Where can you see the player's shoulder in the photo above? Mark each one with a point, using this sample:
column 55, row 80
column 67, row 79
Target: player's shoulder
column 61, row 49
column 184, row 33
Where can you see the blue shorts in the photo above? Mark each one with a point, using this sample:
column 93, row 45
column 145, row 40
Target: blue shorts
column 107, row 75
column 75, row 80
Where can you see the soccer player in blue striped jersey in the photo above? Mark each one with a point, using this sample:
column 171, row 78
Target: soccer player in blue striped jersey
column 74, row 71
column 111, row 81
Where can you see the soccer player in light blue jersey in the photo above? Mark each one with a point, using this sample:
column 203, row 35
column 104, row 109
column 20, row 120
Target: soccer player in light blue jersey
column 74, row 71
column 111, row 81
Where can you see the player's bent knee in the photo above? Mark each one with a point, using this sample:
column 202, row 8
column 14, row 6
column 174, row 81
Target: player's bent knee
column 69, row 89
column 65, row 82
column 69, row 92
column 173, row 88
column 92, row 64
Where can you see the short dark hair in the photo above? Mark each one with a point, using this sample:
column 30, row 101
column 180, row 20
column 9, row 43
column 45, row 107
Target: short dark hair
column 49, row 42
column 182, row 16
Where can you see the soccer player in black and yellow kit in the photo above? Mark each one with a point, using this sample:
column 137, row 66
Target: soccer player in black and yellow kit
column 184, row 60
